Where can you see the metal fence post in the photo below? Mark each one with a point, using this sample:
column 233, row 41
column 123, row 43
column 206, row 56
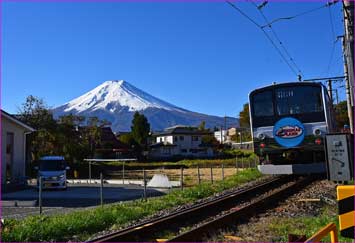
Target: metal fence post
column 254, row 162
column 222, row 172
column 236, row 164
column 101, row 190
column 40, row 195
column 198, row 174
column 123, row 173
column 90, row 172
column 211, row 175
column 145, row 185
column 182, row 178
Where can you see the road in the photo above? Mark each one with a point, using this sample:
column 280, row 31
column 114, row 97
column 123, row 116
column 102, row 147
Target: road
column 76, row 197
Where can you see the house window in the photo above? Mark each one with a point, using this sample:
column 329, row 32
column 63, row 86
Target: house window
column 195, row 138
column 175, row 138
column 183, row 150
column 181, row 138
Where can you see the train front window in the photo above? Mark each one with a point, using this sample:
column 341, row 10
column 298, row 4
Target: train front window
column 298, row 100
column 262, row 104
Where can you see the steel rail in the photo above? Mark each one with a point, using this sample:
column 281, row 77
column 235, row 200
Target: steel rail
column 193, row 213
column 242, row 213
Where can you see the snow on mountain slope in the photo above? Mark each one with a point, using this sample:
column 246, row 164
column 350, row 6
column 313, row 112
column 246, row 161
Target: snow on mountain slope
column 116, row 101
column 112, row 95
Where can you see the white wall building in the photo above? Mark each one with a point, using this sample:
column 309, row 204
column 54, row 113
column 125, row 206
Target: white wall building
column 13, row 155
column 180, row 141
column 221, row 136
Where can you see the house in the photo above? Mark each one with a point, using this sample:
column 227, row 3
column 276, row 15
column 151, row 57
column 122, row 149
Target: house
column 13, row 156
column 221, row 136
column 110, row 147
column 180, row 141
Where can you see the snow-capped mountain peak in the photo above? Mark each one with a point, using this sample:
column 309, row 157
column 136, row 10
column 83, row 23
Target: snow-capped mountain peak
column 117, row 100
column 112, row 95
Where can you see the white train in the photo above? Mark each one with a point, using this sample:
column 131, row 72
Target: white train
column 289, row 122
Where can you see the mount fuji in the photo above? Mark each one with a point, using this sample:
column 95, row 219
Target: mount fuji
column 117, row 101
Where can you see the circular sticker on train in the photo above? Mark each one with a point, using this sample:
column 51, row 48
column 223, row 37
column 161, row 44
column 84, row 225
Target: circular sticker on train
column 289, row 132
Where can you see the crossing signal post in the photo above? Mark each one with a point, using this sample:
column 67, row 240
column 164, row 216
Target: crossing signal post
column 340, row 168
column 345, row 197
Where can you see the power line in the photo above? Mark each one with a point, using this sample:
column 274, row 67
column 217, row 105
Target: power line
column 300, row 14
column 278, row 39
column 334, row 43
column 265, row 33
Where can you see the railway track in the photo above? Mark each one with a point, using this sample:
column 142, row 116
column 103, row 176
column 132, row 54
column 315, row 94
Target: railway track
column 233, row 205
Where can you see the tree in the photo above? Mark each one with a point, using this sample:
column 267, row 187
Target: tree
column 140, row 129
column 244, row 122
column 129, row 141
column 209, row 140
column 36, row 113
column 341, row 114
column 202, row 126
column 68, row 136
column 244, row 119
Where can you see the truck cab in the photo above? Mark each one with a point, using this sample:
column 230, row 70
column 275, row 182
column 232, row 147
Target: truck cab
column 53, row 170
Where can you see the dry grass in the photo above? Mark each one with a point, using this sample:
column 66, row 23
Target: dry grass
column 190, row 174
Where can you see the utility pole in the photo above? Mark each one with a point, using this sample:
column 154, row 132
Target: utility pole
column 225, row 122
column 330, row 90
column 336, row 96
column 348, row 56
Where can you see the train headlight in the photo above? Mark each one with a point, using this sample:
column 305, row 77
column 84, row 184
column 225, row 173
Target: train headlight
column 261, row 136
column 317, row 132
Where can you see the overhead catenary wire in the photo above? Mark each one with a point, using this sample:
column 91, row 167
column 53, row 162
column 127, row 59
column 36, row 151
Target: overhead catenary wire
column 334, row 43
column 266, row 34
column 300, row 14
column 278, row 39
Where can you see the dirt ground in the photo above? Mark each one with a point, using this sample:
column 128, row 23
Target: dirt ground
column 190, row 174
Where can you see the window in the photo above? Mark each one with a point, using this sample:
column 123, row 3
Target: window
column 262, row 104
column 183, row 150
column 195, row 138
column 175, row 138
column 181, row 138
column 298, row 100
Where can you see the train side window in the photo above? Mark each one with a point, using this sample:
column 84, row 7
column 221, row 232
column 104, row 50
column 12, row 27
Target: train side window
column 263, row 104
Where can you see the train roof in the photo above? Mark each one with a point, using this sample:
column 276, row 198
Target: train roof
column 285, row 85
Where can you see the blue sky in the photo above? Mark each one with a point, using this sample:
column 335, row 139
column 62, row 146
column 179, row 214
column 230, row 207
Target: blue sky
column 201, row 56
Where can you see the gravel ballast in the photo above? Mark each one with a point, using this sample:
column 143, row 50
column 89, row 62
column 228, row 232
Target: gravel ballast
column 309, row 202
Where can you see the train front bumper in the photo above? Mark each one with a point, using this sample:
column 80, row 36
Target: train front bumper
column 298, row 169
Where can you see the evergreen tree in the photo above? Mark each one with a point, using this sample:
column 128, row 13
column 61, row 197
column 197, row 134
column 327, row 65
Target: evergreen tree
column 140, row 129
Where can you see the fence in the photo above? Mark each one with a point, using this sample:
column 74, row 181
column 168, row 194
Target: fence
column 106, row 182
column 190, row 176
